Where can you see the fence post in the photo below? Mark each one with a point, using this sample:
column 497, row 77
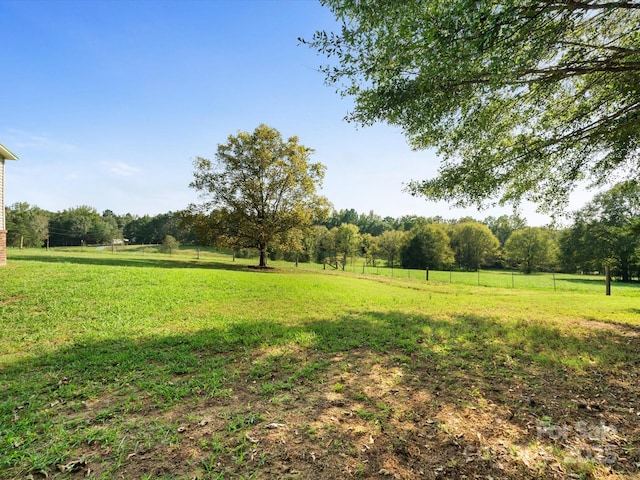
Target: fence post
column 427, row 273
column 513, row 281
column 607, row 279
column 554, row 281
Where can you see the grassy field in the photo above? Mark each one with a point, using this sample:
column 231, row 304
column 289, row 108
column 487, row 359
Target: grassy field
column 486, row 278
column 134, row 364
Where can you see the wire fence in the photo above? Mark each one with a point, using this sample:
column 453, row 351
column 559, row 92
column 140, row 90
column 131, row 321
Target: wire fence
column 504, row 279
column 509, row 279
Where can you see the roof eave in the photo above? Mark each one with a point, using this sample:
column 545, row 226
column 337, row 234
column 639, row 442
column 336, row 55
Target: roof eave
column 6, row 154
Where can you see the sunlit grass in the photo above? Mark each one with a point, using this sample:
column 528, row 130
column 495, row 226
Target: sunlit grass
column 90, row 342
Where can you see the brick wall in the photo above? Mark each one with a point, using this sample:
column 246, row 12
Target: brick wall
column 3, row 247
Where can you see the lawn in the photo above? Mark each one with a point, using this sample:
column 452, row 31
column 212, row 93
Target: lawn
column 140, row 365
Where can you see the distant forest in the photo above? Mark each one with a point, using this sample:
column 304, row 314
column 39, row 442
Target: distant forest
column 605, row 232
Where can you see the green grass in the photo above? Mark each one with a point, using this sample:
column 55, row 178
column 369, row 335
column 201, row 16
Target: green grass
column 105, row 355
column 591, row 283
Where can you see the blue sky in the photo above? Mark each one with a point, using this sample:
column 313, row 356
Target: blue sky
column 107, row 103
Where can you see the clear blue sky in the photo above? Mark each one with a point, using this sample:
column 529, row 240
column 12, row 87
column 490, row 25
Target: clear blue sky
column 107, row 103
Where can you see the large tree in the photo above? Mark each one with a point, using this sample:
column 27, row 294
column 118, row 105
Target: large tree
column 427, row 246
column 604, row 232
column 523, row 99
column 258, row 189
column 474, row 244
column 531, row 249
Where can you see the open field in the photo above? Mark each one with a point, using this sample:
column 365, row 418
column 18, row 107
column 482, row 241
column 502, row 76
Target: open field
column 485, row 278
column 140, row 365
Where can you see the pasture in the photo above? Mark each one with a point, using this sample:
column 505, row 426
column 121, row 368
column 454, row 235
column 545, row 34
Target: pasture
column 143, row 365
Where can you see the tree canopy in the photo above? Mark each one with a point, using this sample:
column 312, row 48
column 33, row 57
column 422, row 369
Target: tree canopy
column 347, row 241
column 427, row 246
column 474, row 244
column 27, row 225
column 390, row 242
column 531, row 249
column 80, row 226
column 523, row 99
column 604, row 232
column 258, row 189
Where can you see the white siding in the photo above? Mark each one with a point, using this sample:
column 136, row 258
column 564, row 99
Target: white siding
column 2, row 225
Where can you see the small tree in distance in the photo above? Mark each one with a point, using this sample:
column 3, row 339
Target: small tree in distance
column 257, row 190
column 169, row 244
column 390, row 242
column 348, row 241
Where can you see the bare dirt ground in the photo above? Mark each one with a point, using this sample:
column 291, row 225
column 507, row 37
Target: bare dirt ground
column 396, row 416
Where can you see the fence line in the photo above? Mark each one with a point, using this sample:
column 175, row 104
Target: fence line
column 507, row 279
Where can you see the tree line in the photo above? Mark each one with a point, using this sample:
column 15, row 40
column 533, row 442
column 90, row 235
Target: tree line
column 31, row 226
column 605, row 232
column 522, row 100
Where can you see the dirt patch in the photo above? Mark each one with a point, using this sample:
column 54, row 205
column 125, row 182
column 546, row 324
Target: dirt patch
column 13, row 300
column 390, row 415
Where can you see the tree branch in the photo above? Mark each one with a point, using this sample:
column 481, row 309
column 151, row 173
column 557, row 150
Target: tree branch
column 576, row 5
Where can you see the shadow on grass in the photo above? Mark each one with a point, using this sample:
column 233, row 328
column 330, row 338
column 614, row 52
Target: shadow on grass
column 120, row 261
column 599, row 281
column 468, row 359
column 582, row 281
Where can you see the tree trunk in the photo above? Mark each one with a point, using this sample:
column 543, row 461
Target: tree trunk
column 263, row 255
column 624, row 271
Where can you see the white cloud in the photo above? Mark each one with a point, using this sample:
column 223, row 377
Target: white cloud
column 121, row 169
